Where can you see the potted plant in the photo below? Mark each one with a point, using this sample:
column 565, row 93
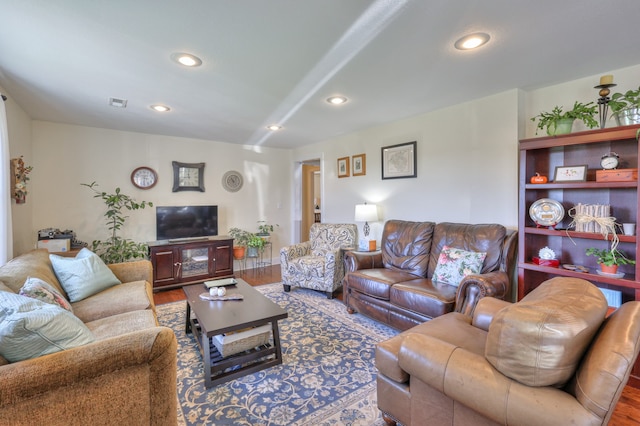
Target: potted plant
column 625, row 107
column 254, row 244
column 265, row 229
column 558, row 122
column 117, row 249
column 609, row 260
column 240, row 241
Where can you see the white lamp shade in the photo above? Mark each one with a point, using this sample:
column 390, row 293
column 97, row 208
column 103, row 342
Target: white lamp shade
column 366, row 213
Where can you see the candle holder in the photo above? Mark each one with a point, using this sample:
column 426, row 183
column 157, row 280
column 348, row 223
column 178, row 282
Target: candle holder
column 603, row 102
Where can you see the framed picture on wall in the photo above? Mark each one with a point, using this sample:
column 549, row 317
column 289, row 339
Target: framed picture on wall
column 359, row 163
column 343, row 167
column 399, row 161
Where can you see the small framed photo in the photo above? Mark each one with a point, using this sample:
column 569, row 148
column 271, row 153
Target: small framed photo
column 359, row 164
column 399, row 161
column 570, row 174
column 343, row 167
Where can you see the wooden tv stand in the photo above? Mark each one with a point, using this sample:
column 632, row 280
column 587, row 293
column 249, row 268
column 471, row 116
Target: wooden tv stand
column 187, row 261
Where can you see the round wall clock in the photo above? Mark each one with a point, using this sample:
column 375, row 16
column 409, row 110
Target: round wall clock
column 232, row 181
column 144, row 177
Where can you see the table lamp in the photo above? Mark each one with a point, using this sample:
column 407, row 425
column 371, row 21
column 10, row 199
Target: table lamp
column 366, row 213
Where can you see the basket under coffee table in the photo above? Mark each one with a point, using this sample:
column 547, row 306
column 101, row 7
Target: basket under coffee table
column 207, row 319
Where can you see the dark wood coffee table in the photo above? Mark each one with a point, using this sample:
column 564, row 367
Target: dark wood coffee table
column 209, row 318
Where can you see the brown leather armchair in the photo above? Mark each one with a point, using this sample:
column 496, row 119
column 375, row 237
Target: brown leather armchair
column 550, row 359
column 395, row 285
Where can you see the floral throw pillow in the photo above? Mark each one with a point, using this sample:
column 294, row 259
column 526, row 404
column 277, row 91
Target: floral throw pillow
column 38, row 289
column 454, row 264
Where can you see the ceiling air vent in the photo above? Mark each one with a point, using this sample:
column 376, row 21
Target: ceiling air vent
column 118, row 103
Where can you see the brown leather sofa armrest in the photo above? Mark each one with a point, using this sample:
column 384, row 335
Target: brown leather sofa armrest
column 470, row 379
column 486, row 309
column 139, row 270
column 354, row 261
column 474, row 287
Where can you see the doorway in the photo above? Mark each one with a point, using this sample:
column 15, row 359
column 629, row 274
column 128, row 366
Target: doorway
column 310, row 197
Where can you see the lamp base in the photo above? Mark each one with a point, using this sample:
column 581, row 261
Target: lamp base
column 367, row 245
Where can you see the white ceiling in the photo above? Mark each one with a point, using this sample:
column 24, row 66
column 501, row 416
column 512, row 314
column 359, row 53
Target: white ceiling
column 276, row 61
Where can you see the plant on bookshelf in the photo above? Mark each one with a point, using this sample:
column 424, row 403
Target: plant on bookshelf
column 559, row 122
column 609, row 258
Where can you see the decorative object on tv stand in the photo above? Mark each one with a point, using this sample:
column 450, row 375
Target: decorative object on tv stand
column 606, row 82
column 188, row 176
column 366, row 213
column 558, row 122
column 546, row 212
column 19, row 179
column 116, row 249
column 546, row 257
column 625, row 107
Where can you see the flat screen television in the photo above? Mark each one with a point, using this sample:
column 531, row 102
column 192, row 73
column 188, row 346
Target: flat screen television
column 179, row 222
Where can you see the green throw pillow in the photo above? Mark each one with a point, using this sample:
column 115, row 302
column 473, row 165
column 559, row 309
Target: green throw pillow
column 30, row 328
column 84, row 275
column 454, row 264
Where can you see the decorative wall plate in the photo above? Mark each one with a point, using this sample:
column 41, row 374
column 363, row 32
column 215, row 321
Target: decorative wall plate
column 232, row 181
column 546, row 212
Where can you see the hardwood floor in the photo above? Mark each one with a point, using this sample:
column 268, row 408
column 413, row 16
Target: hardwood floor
column 627, row 412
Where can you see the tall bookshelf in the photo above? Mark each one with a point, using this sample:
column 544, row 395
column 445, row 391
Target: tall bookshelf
column 543, row 155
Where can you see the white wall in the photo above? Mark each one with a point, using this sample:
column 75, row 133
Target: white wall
column 66, row 156
column 466, row 166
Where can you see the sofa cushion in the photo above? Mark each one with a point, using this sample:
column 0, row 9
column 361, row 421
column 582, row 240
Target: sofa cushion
column 31, row 264
column 119, row 324
column 30, row 328
column 406, row 246
column 84, row 275
column 424, row 296
column 377, row 282
column 3, row 287
column 127, row 297
column 540, row 340
column 487, row 238
column 38, row 289
column 454, row 264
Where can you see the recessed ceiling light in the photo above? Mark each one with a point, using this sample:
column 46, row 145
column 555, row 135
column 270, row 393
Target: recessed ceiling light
column 160, row 108
column 274, row 127
column 337, row 100
column 187, row 59
column 472, row 41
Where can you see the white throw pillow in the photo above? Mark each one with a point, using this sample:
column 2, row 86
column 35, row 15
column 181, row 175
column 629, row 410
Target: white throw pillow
column 84, row 275
column 30, row 328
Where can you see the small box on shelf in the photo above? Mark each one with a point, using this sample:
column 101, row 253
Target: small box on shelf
column 554, row 263
column 617, row 175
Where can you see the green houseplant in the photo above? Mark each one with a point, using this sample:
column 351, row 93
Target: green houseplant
column 255, row 244
column 609, row 258
column 625, row 107
column 558, row 122
column 265, row 228
column 116, row 249
column 240, row 241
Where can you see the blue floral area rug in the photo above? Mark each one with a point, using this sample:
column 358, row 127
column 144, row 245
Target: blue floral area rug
column 327, row 376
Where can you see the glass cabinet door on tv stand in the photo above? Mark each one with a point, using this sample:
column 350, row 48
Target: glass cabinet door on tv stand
column 180, row 263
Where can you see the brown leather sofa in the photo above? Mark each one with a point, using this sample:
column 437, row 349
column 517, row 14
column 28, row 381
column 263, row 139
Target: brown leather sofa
column 550, row 359
column 394, row 285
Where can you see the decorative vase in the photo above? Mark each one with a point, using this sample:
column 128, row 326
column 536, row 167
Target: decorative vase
column 238, row 252
column 561, row 127
column 627, row 117
column 613, row 269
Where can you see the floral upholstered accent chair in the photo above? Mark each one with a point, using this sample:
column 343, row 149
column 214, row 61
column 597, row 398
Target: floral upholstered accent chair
column 318, row 263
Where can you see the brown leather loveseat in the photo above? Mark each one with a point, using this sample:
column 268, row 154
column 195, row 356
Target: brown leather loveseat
column 395, row 285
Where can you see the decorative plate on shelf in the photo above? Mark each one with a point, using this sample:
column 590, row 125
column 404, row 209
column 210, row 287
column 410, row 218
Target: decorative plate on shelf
column 546, row 212
column 232, row 181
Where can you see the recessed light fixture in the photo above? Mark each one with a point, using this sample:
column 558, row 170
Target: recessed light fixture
column 160, row 108
column 187, row 59
column 337, row 100
column 274, row 127
column 472, row 41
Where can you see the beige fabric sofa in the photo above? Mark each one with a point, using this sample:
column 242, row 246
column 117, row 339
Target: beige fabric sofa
column 127, row 376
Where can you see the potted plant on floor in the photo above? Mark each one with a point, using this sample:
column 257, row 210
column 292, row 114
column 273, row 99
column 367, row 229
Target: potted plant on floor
column 609, row 259
column 240, row 241
column 254, row 245
column 116, row 249
column 558, row 122
column 625, row 107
